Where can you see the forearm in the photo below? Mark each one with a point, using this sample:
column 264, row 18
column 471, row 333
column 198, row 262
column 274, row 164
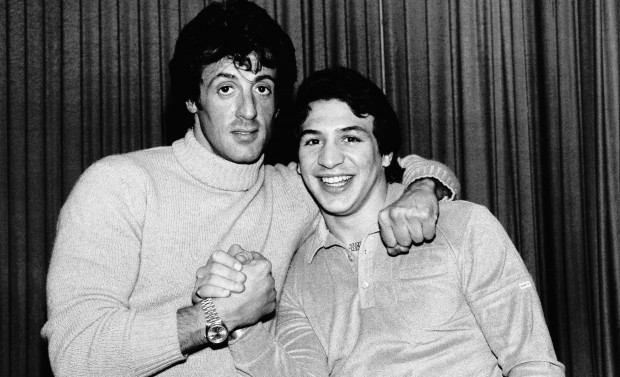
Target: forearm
column 273, row 358
column 191, row 329
column 444, row 182
column 91, row 340
column 295, row 350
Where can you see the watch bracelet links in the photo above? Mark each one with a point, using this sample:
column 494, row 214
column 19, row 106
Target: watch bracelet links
column 210, row 313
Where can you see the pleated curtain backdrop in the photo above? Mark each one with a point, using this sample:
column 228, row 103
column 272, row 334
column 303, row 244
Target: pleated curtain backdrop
column 521, row 98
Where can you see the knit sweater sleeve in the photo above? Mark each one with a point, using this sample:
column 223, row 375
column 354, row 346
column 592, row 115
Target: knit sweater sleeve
column 92, row 328
column 503, row 298
column 417, row 167
column 294, row 351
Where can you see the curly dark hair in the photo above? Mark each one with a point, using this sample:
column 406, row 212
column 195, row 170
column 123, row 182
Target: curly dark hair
column 233, row 29
column 364, row 98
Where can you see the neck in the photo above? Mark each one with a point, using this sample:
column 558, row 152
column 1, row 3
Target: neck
column 355, row 226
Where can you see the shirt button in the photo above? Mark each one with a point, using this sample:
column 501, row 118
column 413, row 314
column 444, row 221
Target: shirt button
column 365, row 284
column 350, row 258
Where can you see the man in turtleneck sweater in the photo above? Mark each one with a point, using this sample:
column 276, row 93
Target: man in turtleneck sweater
column 136, row 227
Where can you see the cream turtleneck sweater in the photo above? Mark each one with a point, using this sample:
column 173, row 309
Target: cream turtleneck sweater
column 131, row 236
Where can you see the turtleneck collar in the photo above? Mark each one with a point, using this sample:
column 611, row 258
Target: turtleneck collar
column 213, row 170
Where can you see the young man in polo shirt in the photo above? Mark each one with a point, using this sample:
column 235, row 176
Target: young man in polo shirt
column 461, row 305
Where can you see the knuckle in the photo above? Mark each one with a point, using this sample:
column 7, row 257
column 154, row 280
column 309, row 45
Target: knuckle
column 265, row 265
column 428, row 212
column 218, row 254
column 239, row 277
column 402, row 249
column 395, row 212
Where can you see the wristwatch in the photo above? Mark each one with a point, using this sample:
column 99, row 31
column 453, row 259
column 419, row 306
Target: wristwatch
column 215, row 331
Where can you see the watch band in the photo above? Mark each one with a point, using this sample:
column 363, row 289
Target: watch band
column 210, row 313
column 215, row 331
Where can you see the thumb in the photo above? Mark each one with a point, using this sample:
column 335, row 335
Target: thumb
column 235, row 249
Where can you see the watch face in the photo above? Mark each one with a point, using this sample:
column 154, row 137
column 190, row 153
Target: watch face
column 217, row 334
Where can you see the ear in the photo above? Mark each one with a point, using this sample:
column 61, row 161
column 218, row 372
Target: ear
column 386, row 160
column 191, row 106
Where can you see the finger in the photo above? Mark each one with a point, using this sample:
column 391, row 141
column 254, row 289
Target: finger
column 398, row 250
column 226, row 259
column 416, row 235
column 209, row 291
column 235, row 249
column 429, row 229
column 292, row 165
column 402, row 233
column 258, row 256
column 387, row 234
column 203, row 270
column 244, row 257
column 215, row 281
column 225, row 272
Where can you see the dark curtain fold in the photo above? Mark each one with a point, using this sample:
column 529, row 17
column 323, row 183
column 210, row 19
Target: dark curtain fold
column 520, row 98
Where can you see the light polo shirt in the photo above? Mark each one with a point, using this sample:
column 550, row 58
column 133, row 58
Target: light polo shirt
column 461, row 305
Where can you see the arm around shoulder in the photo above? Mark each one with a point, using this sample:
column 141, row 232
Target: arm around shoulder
column 417, row 168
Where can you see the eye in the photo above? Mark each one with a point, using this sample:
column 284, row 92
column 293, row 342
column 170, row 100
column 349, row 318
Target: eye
column 225, row 89
column 311, row 142
column 263, row 89
column 351, row 139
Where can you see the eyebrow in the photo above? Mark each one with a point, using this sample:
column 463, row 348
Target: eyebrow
column 309, row 132
column 354, row 128
column 341, row 130
column 230, row 76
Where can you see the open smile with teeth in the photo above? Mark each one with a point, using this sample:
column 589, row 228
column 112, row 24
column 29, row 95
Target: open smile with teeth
column 336, row 181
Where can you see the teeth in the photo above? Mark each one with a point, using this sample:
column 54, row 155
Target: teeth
column 336, row 181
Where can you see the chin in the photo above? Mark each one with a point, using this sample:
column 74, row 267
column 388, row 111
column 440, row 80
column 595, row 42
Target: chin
column 246, row 155
column 336, row 209
column 248, row 159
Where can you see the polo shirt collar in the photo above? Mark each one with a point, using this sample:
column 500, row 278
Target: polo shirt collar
column 323, row 239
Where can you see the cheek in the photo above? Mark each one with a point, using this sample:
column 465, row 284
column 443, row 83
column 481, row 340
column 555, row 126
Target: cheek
column 267, row 108
column 305, row 163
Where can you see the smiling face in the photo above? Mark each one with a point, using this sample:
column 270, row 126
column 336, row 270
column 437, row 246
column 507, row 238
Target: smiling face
column 236, row 108
column 339, row 159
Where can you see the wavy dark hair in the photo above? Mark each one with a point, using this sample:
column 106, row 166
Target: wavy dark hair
column 364, row 98
column 233, row 29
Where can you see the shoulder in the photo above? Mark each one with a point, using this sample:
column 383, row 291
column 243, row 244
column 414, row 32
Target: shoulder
column 284, row 174
column 287, row 182
column 121, row 176
column 131, row 166
column 459, row 213
column 459, row 218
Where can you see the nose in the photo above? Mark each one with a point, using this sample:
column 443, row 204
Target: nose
column 247, row 108
column 330, row 156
